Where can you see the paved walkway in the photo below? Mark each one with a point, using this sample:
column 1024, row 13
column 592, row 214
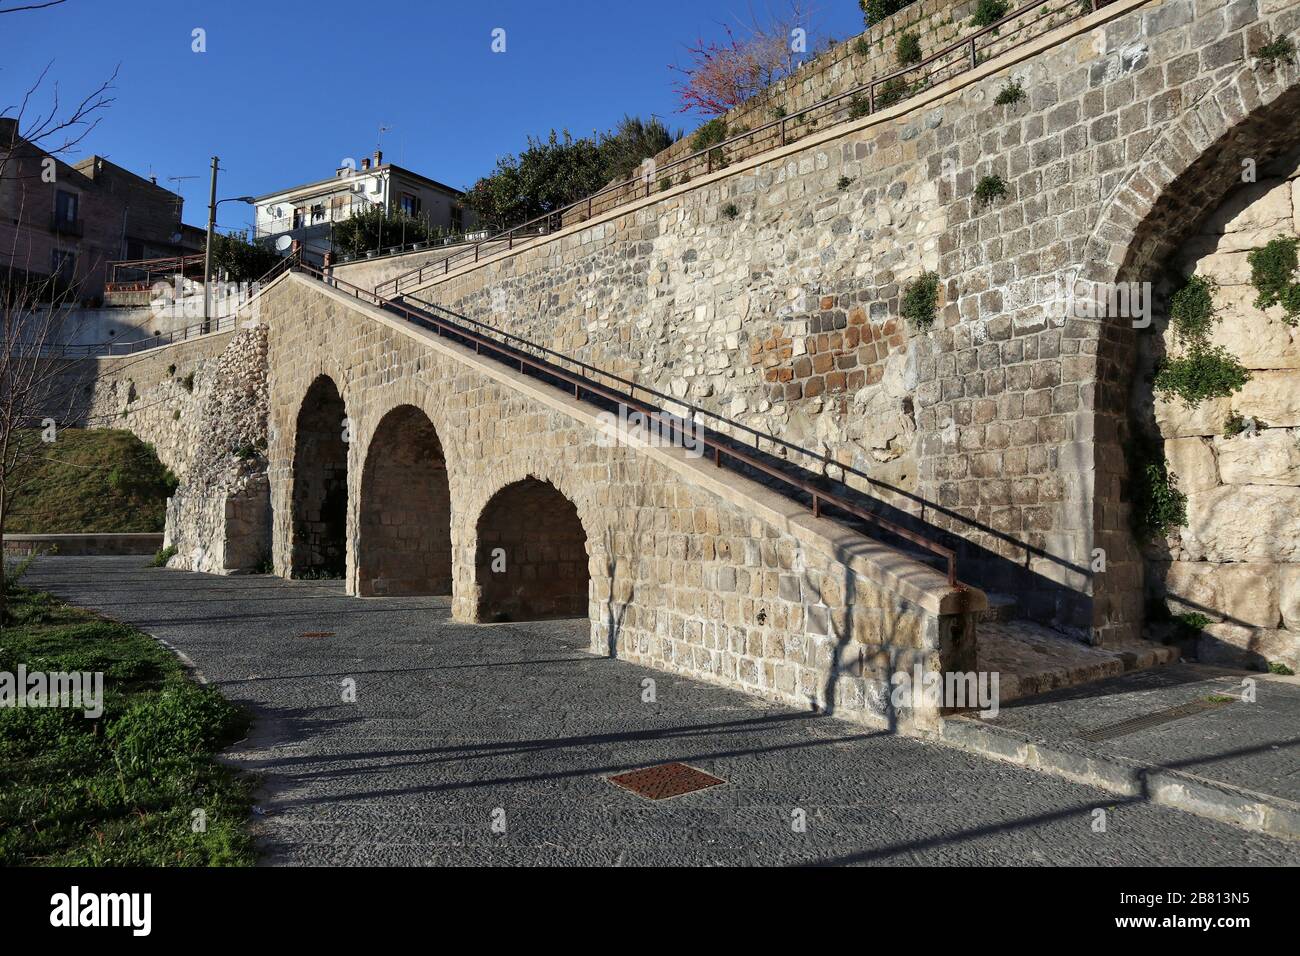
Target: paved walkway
column 455, row 724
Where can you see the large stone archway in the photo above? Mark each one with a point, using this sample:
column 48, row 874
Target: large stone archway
column 531, row 556
column 320, row 483
column 404, row 515
column 1234, row 135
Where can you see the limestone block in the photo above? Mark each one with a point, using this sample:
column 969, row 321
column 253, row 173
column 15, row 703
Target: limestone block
column 1273, row 396
column 1288, row 594
column 1271, row 457
column 1176, row 420
column 1243, row 523
column 1192, row 460
column 1240, row 593
column 1255, row 206
column 1258, row 338
column 1249, row 647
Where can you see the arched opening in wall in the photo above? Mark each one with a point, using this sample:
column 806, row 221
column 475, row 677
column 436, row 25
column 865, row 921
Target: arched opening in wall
column 1226, row 203
column 531, row 555
column 320, row 483
column 404, row 539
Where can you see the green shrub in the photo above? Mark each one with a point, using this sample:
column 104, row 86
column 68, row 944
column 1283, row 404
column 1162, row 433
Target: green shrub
column 861, row 47
column 1280, row 49
column 859, row 106
column 1277, row 667
column 1272, row 273
column 171, row 370
column 844, row 183
column 1191, row 310
column 1191, row 624
column 1158, row 506
column 873, row 11
column 990, row 188
column 1236, row 423
column 908, row 50
column 1207, row 371
column 920, row 305
column 162, row 556
column 714, row 131
column 778, row 112
column 891, row 91
column 731, row 210
column 1013, row 92
column 989, row 11
column 187, row 382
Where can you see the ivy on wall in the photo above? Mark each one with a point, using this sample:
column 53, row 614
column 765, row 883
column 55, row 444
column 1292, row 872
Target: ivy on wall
column 1273, row 274
column 1204, row 370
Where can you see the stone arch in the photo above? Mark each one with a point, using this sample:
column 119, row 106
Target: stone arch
column 1186, row 175
column 320, row 483
column 404, row 514
column 531, row 555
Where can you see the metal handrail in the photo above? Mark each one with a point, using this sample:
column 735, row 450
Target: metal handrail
column 546, row 223
column 721, row 452
column 184, row 334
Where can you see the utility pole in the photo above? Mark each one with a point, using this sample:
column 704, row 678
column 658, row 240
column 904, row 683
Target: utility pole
column 207, row 251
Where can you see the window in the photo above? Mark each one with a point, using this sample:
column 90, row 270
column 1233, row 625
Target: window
column 65, row 206
column 318, row 212
column 410, row 204
column 63, row 266
column 299, row 215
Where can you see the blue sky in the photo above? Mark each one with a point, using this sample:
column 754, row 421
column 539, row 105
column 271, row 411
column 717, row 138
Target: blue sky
column 288, row 88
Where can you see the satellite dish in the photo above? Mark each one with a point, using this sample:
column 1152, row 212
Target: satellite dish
column 284, row 243
column 176, row 237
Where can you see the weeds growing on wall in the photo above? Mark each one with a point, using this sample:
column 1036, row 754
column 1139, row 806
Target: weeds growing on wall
column 1238, row 424
column 920, row 305
column 162, row 556
column 908, row 50
column 859, row 106
column 1013, row 92
column 1273, row 274
column 1278, row 50
column 844, row 183
column 990, row 189
column 731, row 210
column 989, row 11
column 1158, row 506
column 1206, row 371
column 1191, row 310
column 873, row 11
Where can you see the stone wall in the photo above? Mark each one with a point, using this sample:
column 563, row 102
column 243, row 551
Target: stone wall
column 691, row 568
column 219, row 518
column 770, row 292
column 1237, row 561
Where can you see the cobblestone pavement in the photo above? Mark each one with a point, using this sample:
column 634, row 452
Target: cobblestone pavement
column 457, row 726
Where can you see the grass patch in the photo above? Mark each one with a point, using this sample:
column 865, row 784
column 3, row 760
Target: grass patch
column 121, row 789
column 1277, row 667
column 90, row 480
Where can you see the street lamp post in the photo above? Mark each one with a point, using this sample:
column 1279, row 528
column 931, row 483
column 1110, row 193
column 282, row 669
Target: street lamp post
column 213, row 203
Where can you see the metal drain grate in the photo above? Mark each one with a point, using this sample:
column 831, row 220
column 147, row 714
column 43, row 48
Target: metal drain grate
column 664, row 781
column 1134, row 724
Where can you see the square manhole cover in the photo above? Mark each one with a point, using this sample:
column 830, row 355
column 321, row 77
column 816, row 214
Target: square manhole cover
column 664, row 781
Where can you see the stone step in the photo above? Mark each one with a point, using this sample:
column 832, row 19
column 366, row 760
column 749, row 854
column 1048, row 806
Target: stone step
column 1002, row 607
column 1032, row 659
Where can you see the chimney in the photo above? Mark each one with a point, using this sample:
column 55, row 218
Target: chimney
column 365, row 163
column 379, row 157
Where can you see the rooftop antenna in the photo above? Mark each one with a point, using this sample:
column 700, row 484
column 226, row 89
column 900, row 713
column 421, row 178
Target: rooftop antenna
column 379, row 138
column 177, row 190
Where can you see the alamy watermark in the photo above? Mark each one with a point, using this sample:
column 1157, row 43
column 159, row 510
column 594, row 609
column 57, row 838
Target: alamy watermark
column 1067, row 295
column 956, row 690
column 78, row 690
column 643, row 430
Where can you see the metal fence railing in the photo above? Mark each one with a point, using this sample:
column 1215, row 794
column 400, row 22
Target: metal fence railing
column 1018, row 27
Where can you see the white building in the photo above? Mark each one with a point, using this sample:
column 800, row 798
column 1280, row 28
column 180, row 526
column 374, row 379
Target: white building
column 308, row 213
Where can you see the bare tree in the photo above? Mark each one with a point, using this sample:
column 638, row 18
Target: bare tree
column 757, row 52
column 38, row 391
